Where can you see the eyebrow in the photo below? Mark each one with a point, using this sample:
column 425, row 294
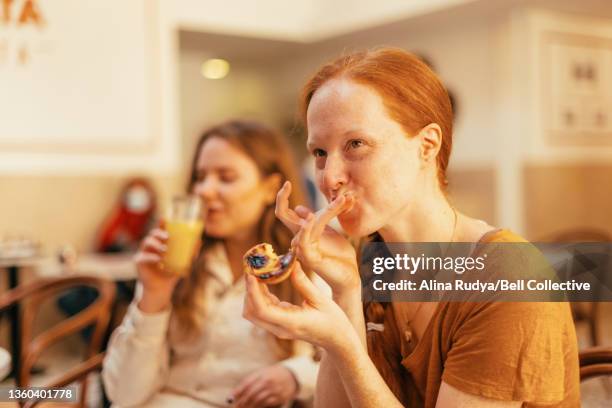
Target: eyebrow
column 221, row 169
column 310, row 145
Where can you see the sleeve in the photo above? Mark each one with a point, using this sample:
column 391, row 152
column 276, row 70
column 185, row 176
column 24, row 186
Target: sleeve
column 137, row 360
column 512, row 352
column 304, row 368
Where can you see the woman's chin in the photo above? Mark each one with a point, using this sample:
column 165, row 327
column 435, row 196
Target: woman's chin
column 216, row 231
column 355, row 226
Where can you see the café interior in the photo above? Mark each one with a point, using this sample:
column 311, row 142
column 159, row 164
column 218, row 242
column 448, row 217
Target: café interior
column 99, row 126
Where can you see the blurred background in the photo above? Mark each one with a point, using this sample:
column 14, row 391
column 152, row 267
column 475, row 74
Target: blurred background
column 97, row 93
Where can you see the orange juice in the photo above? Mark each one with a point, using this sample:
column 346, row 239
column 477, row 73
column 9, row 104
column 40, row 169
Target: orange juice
column 183, row 237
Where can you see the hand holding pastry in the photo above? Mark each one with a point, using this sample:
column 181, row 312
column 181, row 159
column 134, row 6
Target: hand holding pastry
column 318, row 320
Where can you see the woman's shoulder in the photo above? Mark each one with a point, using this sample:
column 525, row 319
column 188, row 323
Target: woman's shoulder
column 476, row 230
column 502, row 235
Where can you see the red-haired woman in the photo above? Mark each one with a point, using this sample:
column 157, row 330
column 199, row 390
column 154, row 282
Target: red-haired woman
column 380, row 128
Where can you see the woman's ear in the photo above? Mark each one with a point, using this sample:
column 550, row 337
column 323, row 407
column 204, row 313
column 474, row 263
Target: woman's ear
column 431, row 141
column 272, row 184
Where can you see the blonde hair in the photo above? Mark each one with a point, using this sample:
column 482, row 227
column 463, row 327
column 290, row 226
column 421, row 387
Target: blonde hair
column 272, row 155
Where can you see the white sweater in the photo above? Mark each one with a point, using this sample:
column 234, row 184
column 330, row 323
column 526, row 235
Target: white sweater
column 146, row 365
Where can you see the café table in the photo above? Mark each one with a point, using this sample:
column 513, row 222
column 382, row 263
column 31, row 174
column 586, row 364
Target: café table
column 115, row 267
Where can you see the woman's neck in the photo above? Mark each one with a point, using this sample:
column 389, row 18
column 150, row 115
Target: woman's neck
column 431, row 219
column 235, row 248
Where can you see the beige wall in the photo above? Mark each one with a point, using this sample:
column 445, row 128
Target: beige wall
column 472, row 191
column 476, row 54
column 68, row 206
column 561, row 197
column 58, row 210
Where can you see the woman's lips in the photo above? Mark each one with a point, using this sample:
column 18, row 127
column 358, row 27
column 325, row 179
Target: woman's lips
column 337, row 194
column 212, row 212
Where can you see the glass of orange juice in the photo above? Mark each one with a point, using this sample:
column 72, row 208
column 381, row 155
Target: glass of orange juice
column 184, row 225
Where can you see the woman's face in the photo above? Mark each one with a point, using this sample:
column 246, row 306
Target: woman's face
column 234, row 193
column 359, row 149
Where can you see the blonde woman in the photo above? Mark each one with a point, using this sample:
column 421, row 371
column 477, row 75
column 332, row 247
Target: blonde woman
column 184, row 342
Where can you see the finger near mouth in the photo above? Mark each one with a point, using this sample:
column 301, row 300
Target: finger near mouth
column 349, row 207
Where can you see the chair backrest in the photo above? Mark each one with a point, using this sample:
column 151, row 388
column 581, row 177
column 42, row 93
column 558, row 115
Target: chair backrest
column 32, row 295
column 584, row 311
column 595, row 362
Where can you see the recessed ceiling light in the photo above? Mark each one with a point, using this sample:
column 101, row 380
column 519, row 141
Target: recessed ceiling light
column 215, row 68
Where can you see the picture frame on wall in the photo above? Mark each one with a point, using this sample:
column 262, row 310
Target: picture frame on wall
column 577, row 89
column 92, row 93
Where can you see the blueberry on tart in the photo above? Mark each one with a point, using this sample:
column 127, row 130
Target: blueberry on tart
column 262, row 262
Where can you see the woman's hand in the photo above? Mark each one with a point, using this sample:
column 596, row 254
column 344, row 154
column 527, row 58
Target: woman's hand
column 157, row 284
column 269, row 387
column 318, row 320
column 319, row 248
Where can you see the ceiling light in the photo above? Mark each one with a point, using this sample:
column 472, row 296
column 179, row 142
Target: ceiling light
column 215, row 68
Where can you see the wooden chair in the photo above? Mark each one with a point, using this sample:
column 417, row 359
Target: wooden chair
column 587, row 312
column 30, row 297
column 595, row 362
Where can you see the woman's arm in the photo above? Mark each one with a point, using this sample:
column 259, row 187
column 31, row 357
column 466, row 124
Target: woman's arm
column 137, row 359
column 330, row 389
column 136, row 362
column 304, row 368
column 356, row 382
column 342, row 278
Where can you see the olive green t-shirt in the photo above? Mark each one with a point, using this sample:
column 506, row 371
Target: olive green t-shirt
column 511, row 351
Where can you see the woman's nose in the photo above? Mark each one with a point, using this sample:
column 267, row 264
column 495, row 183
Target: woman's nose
column 206, row 189
column 334, row 175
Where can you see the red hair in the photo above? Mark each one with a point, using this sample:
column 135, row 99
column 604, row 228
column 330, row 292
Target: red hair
column 412, row 93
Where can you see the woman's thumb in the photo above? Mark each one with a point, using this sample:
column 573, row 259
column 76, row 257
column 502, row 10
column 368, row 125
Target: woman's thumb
column 304, row 285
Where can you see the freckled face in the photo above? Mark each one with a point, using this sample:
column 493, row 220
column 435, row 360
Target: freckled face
column 359, row 148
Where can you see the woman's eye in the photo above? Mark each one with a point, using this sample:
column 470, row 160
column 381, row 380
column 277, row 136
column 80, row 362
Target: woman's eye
column 354, row 144
column 228, row 177
column 319, row 153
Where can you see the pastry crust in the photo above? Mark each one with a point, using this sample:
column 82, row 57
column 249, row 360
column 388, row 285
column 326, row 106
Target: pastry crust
column 262, row 262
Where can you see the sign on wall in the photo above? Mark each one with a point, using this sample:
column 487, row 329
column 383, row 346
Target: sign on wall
column 577, row 80
column 22, row 24
column 78, row 76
